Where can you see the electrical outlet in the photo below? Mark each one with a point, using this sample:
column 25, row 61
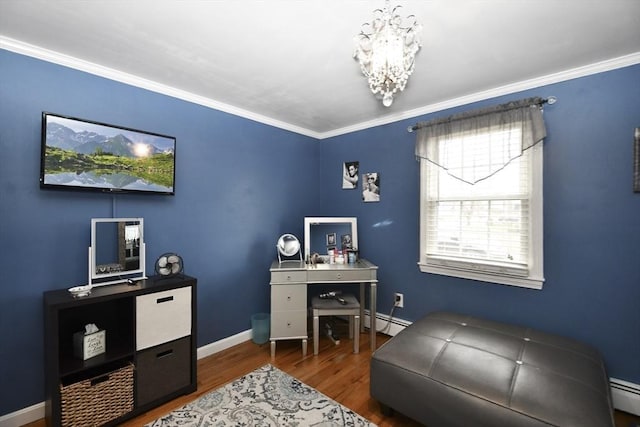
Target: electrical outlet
column 398, row 300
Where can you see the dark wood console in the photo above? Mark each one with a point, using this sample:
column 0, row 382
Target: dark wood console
column 150, row 355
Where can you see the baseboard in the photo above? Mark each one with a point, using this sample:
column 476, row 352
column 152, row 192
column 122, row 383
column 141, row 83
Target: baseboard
column 23, row 416
column 626, row 395
column 223, row 344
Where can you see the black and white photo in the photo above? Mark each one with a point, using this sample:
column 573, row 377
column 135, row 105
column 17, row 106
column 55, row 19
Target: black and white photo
column 371, row 187
column 346, row 241
column 350, row 175
column 331, row 239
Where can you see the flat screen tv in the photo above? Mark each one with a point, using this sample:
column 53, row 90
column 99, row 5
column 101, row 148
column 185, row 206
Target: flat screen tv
column 80, row 154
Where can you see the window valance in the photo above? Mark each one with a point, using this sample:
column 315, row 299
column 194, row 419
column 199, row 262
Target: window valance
column 497, row 135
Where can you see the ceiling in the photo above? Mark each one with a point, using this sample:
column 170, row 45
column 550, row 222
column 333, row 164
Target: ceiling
column 289, row 63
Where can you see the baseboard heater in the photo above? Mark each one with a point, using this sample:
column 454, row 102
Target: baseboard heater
column 625, row 395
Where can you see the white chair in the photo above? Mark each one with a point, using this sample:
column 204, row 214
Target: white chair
column 332, row 307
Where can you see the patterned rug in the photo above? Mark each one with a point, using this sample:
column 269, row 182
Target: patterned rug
column 265, row 397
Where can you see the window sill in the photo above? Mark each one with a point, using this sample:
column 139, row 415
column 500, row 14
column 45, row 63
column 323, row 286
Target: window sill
column 522, row 282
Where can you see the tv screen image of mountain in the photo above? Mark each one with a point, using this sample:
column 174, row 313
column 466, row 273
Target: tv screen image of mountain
column 78, row 154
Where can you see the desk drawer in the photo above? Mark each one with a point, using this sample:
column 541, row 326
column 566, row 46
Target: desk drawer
column 162, row 317
column 288, row 297
column 288, row 324
column 340, row 275
column 288, row 277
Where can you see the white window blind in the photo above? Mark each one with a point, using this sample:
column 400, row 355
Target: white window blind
column 481, row 203
column 486, row 222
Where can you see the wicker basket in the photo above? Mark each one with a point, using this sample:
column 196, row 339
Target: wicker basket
column 98, row 400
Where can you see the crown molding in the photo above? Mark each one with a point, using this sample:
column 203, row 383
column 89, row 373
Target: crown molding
column 574, row 73
column 37, row 52
column 116, row 75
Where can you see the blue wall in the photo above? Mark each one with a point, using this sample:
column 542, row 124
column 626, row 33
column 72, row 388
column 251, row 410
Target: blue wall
column 591, row 221
column 238, row 187
column 241, row 184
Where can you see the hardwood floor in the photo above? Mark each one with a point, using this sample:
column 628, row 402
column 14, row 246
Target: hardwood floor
column 336, row 372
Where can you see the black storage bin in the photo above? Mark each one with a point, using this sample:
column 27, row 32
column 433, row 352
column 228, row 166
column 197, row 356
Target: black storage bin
column 162, row 370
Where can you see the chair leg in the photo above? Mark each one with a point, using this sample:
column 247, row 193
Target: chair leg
column 351, row 327
column 316, row 335
column 356, row 334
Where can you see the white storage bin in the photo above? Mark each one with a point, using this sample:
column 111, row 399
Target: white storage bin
column 162, row 317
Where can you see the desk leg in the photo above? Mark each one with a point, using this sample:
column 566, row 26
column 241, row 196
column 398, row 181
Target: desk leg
column 273, row 349
column 372, row 310
column 362, row 305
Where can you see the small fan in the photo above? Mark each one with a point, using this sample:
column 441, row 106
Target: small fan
column 169, row 264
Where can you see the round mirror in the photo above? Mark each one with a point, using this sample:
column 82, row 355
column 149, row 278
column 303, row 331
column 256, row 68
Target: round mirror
column 288, row 245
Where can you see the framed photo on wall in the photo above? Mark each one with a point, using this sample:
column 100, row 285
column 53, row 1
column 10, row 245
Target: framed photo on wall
column 636, row 161
column 371, row 187
column 350, row 175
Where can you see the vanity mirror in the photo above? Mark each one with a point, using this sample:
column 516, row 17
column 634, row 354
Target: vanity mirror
column 288, row 246
column 321, row 232
column 117, row 251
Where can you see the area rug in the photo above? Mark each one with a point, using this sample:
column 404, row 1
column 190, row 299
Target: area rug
column 264, row 397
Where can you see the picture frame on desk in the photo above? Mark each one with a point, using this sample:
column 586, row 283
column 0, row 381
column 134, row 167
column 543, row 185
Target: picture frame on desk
column 331, row 239
column 346, row 241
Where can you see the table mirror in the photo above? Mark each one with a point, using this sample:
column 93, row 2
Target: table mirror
column 288, row 246
column 117, row 251
column 324, row 233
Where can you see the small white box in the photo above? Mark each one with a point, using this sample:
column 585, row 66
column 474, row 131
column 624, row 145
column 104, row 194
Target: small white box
column 86, row 346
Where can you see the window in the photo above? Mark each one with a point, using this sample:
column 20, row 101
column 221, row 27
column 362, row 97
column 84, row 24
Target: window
column 481, row 201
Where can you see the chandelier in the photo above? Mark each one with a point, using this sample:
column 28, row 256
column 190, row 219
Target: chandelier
column 386, row 50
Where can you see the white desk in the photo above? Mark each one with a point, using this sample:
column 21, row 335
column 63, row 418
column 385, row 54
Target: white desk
column 289, row 281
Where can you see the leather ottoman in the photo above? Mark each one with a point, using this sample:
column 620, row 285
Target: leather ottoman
column 448, row 369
